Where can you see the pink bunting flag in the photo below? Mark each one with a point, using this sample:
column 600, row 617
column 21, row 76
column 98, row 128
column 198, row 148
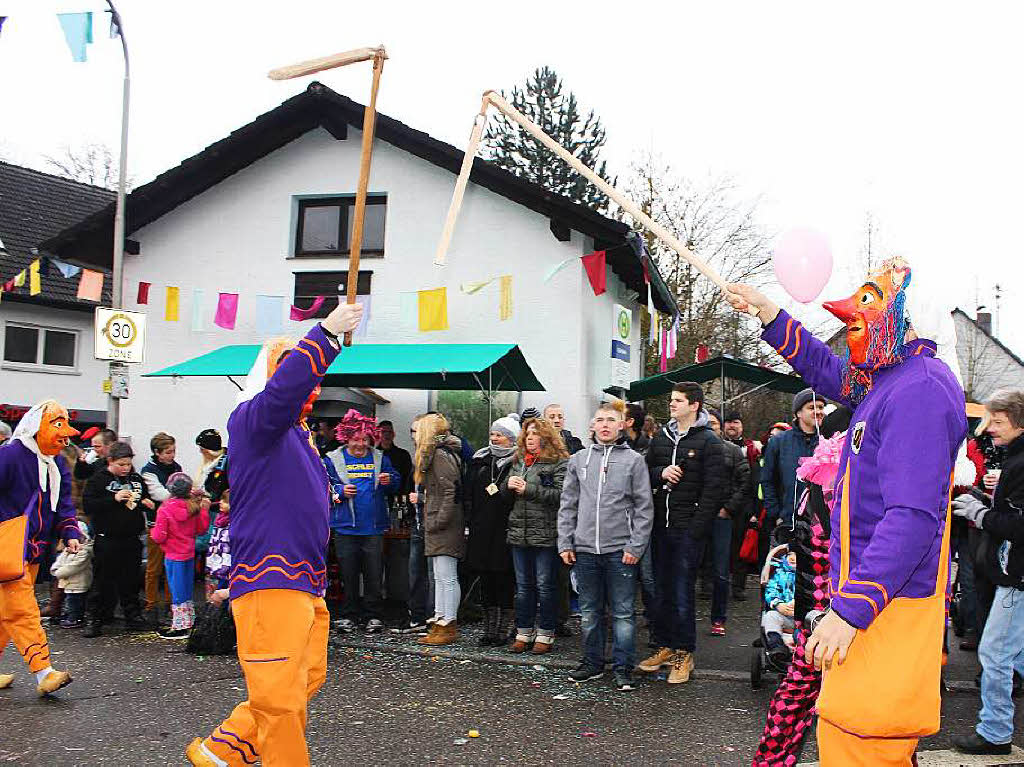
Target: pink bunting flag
column 227, row 311
column 663, row 349
column 90, row 285
column 673, row 335
column 298, row 315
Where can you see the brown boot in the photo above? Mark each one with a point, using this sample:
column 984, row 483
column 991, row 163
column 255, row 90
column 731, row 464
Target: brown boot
column 53, row 607
column 443, row 635
column 432, row 629
column 523, row 642
column 682, row 667
column 543, row 644
column 663, row 657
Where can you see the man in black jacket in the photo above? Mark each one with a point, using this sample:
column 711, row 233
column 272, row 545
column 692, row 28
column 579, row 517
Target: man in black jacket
column 94, row 460
column 733, row 431
column 1001, row 560
column 114, row 499
column 687, row 468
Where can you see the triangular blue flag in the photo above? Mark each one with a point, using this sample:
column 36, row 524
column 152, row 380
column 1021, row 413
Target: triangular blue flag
column 77, row 31
column 66, row 269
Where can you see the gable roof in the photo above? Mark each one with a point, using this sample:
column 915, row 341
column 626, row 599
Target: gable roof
column 320, row 107
column 992, row 338
column 35, row 206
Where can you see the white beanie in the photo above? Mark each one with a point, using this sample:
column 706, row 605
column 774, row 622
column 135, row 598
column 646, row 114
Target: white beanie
column 509, row 426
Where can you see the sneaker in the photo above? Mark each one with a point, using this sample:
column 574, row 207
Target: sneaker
column 345, row 625
column 374, row 626
column 624, row 680
column 717, row 629
column 173, row 633
column 682, row 667
column 585, row 672
column 975, row 744
column 663, row 657
column 412, row 628
column 68, row 623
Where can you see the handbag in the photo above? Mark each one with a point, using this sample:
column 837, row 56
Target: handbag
column 749, row 547
column 214, row 632
column 12, row 548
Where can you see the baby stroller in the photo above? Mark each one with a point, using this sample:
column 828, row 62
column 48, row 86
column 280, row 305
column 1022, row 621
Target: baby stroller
column 761, row 660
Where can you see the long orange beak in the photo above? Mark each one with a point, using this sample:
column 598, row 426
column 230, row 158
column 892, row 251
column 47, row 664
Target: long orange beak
column 68, row 431
column 844, row 310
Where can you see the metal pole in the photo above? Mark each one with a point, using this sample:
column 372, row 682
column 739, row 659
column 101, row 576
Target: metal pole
column 117, row 276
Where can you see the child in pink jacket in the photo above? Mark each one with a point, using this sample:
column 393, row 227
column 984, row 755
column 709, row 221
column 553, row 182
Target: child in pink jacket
column 179, row 520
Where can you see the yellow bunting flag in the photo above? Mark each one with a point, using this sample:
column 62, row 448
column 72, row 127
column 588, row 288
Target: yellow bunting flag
column 19, row 280
column 433, row 309
column 469, row 288
column 171, row 309
column 34, row 288
column 90, row 285
column 505, row 298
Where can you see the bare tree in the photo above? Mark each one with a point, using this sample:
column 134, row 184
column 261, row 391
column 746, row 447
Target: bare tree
column 88, row 163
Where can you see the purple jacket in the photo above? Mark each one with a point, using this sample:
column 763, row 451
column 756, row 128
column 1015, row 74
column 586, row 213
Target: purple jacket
column 279, row 503
column 897, row 464
column 19, row 492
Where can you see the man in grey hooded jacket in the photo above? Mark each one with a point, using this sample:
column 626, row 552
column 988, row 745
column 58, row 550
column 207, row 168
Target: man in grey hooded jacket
column 604, row 525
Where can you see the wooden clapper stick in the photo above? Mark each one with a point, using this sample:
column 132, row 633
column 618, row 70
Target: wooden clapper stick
column 369, row 123
column 491, row 98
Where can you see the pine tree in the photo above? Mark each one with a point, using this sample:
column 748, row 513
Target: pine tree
column 543, row 100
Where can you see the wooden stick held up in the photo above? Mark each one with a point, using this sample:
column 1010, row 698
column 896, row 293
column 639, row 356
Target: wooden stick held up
column 325, row 62
column 460, row 184
column 359, row 216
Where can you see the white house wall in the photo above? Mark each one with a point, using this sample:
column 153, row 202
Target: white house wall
column 77, row 390
column 984, row 366
column 236, row 237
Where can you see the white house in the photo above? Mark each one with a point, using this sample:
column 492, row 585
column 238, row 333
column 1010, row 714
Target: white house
column 265, row 212
column 46, row 341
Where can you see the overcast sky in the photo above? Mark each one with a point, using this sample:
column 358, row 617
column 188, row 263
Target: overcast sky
column 907, row 112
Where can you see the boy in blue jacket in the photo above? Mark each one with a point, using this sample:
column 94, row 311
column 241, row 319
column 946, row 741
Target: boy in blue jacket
column 360, row 479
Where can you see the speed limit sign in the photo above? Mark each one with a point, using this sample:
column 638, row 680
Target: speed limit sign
column 120, row 335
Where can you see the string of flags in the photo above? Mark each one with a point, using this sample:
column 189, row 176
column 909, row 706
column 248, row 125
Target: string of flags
column 78, row 31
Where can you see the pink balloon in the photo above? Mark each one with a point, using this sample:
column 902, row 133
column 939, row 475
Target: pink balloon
column 803, row 263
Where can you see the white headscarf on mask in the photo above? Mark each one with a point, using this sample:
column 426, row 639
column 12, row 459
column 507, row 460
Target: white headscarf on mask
column 25, row 433
column 256, row 381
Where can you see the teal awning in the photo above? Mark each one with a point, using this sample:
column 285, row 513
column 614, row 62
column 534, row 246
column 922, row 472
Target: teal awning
column 490, row 367
column 719, row 367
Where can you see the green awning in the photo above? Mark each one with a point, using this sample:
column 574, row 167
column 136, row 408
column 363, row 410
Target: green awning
column 493, row 367
column 719, row 367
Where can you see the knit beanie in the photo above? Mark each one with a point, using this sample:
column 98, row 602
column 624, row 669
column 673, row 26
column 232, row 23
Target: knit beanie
column 209, row 439
column 179, row 484
column 803, row 398
column 530, row 412
column 509, row 426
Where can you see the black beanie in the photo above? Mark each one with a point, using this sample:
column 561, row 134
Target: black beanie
column 209, row 439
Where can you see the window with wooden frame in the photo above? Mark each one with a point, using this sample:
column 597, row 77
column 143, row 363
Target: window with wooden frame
column 309, row 285
column 31, row 347
column 324, row 226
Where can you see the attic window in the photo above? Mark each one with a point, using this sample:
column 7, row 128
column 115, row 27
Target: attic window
column 309, row 285
column 324, row 226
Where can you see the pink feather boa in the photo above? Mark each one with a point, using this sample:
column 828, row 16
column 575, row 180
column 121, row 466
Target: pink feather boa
column 822, row 467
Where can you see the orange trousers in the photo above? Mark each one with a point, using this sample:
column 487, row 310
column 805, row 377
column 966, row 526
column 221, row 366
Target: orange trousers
column 837, row 748
column 282, row 646
column 20, row 621
column 154, row 572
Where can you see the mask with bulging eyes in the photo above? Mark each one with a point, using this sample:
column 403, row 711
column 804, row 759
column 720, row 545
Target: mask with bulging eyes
column 55, row 431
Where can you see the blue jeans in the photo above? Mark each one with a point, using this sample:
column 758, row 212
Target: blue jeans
column 648, row 594
column 536, row 581
column 721, row 553
column 1001, row 652
column 421, row 576
column 603, row 578
column 676, row 556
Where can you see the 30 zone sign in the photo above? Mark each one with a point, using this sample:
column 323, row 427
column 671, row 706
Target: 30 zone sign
column 120, row 335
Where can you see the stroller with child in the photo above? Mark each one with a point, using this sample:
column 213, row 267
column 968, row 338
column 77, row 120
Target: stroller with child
column 762, row 658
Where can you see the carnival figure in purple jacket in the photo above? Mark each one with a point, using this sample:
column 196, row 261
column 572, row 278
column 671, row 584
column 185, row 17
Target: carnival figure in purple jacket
column 880, row 644
column 279, row 528
column 35, row 509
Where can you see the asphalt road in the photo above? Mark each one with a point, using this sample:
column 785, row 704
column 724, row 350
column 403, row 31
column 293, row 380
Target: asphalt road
column 138, row 700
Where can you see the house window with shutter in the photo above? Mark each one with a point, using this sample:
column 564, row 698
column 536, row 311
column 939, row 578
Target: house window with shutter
column 309, row 285
column 324, row 226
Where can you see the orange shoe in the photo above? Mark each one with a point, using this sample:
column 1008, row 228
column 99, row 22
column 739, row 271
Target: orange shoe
column 53, row 682
column 6, row 680
column 200, row 757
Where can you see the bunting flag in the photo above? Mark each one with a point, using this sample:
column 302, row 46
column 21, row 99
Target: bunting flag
column 558, row 267
column 505, row 298
column 268, row 314
column 298, row 315
column 408, row 309
column 90, row 285
column 595, row 264
column 34, row 286
column 652, row 331
column 19, row 279
column 433, row 309
column 663, row 348
column 143, row 296
column 77, row 31
column 227, row 311
column 701, row 353
column 171, row 305
column 364, row 323
column 66, row 269
column 469, row 288
column 198, row 310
